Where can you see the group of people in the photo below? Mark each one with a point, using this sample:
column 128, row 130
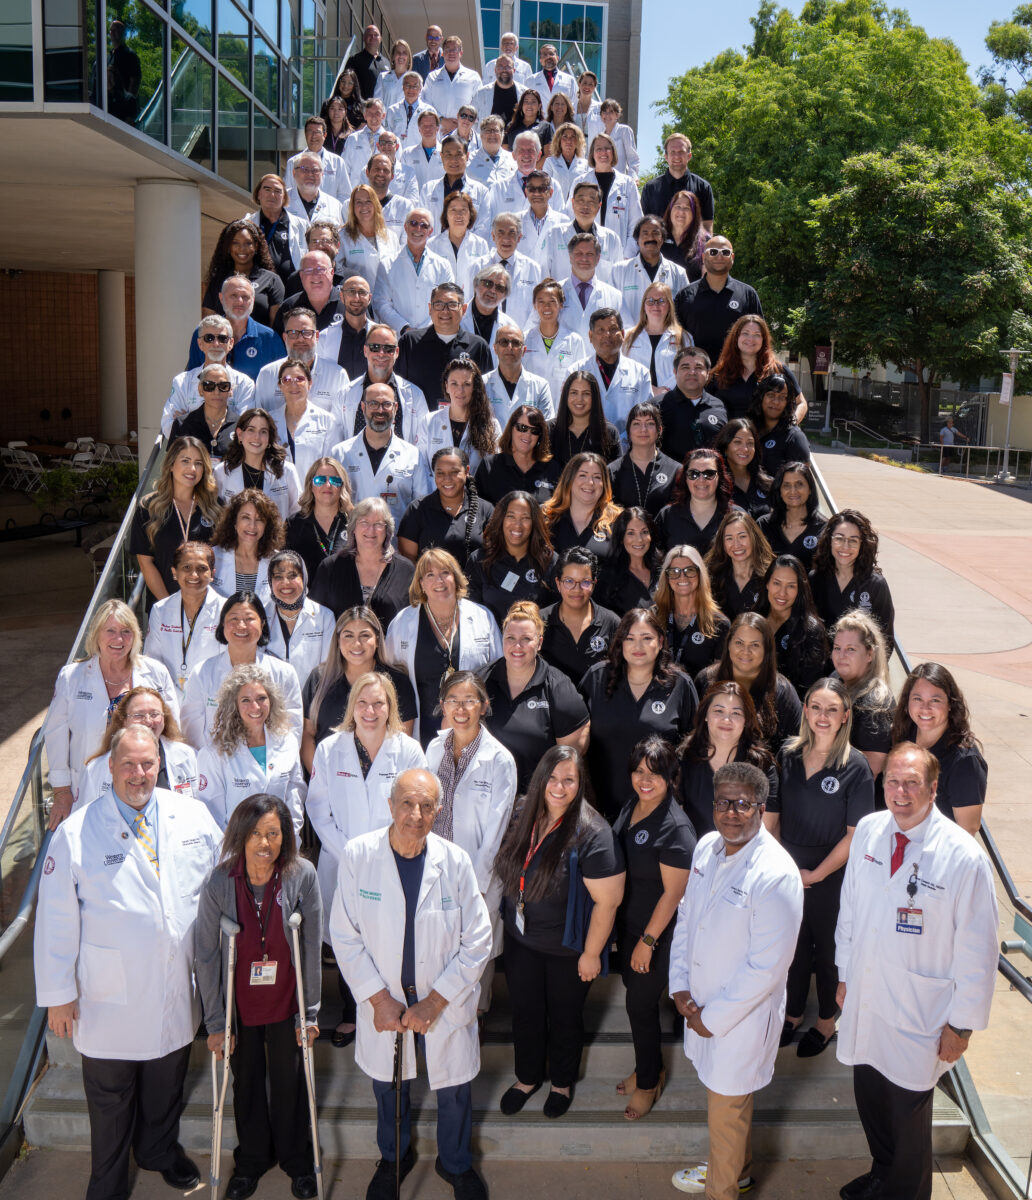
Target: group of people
column 485, row 572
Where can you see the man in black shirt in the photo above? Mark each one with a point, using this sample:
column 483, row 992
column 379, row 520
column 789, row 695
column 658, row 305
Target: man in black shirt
column 709, row 307
column 368, row 63
column 321, row 235
column 691, row 417
column 355, row 326
column 499, row 97
column 424, row 353
column 658, row 192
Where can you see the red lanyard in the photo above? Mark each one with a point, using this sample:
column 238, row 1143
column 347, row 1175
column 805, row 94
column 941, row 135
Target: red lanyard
column 530, row 854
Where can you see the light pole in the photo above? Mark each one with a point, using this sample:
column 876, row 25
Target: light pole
column 827, row 388
column 1004, row 475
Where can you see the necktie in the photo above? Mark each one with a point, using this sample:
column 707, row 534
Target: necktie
column 143, row 836
column 582, row 291
column 902, row 841
column 408, row 109
column 508, row 271
column 523, row 183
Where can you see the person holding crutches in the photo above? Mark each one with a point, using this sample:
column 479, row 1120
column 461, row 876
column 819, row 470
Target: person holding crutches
column 412, row 936
column 260, row 882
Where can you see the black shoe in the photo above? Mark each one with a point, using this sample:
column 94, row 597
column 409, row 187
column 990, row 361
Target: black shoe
column 467, row 1186
column 340, row 1038
column 514, row 1099
column 864, row 1187
column 183, row 1174
column 241, row 1186
column 788, row 1032
column 813, row 1042
column 381, row 1186
column 557, row 1104
column 303, row 1187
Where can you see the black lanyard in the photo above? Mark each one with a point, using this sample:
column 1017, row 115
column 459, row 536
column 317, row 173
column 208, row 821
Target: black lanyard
column 266, row 904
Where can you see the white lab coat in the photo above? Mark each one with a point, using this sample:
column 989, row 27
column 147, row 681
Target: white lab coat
column 465, row 264
column 453, row 944
column 117, row 937
column 336, row 180
column 555, row 365
column 628, row 161
column 329, row 382
column 78, row 714
column 398, row 480
column 530, row 389
column 734, row 940
column 901, row 989
column 536, row 243
column 521, row 73
column 413, row 410
column 180, row 766
column 600, row 295
column 641, row 352
column 314, row 434
column 432, row 197
column 484, row 171
column 631, row 384
column 447, row 94
column 623, row 207
column 630, row 278
column 401, row 297
column 343, row 805
column 358, row 150
column 164, row 641
column 224, row 577
column 506, row 195
column 388, row 88
column 484, row 98
column 185, row 396
column 481, row 809
column 396, row 209
column 564, row 175
column 283, row 492
column 413, row 158
column 295, row 234
column 202, row 691
column 311, row 639
column 480, row 641
column 436, row 433
column 397, row 121
column 524, row 276
column 226, row 780
column 363, row 256
column 564, row 82
column 502, row 321
column 557, row 254
column 327, row 207
column 590, row 122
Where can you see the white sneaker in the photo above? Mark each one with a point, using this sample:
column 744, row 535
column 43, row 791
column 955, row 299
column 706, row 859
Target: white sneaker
column 693, row 1179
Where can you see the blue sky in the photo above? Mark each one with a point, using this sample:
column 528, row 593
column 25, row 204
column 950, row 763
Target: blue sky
column 684, row 34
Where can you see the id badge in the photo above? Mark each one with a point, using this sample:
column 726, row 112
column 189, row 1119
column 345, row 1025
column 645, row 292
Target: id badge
column 387, row 497
column 510, row 581
column 520, row 922
column 909, row 920
column 263, row 974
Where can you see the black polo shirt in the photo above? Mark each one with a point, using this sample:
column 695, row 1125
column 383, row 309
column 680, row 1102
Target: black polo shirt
column 620, row 590
column 658, row 192
column 691, row 648
column 650, row 489
column 619, row 722
column 565, row 448
column 871, row 594
column 571, row 657
column 194, row 425
column 675, row 526
column 665, row 838
column 783, row 443
column 312, row 542
column 167, row 540
column 352, row 344
column 963, row 777
column 368, row 67
column 422, row 357
column 426, row 523
column 801, row 647
column 755, row 501
column 499, row 474
column 802, row 546
column 739, row 395
column 507, row 581
column 565, row 536
column 277, row 238
column 708, row 315
column 332, row 312
column 816, row 811
column 335, row 702
column 548, row 708
column 690, row 424
column 337, row 586
column 696, row 793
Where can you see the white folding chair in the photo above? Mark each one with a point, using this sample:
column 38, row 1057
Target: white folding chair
column 30, row 471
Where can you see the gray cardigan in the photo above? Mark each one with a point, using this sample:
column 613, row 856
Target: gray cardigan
column 300, row 891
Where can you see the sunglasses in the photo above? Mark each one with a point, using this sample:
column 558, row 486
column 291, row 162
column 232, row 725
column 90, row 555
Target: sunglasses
column 418, row 225
column 293, row 379
column 221, row 338
column 381, row 347
column 323, row 480
column 520, row 427
column 718, row 252
column 709, row 473
column 208, row 386
column 677, row 572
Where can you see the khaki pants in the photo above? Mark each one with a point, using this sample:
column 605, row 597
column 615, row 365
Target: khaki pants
column 729, row 1119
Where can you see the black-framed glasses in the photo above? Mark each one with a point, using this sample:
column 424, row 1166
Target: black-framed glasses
column 381, row 347
column 323, row 480
column 445, row 305
column 708, row 473
column 520, row 427
column 677, row 572
column 209, row 385
column 209, row 338
column 306, row 335
column 741, row 807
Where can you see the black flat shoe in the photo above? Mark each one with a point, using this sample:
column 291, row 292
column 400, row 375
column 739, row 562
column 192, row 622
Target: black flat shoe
column 340, row 1039
column 241, row 1187
column 304, row 1187
column 557, row 1104
column 514, row 1099
column 183, row 1174
column 788, row 1033
column 813, row 1042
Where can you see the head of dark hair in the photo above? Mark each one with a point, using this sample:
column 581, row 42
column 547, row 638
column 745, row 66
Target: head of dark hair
column 244, row 819
column 598, row 434
column 540, row 547
column 660, row 757
column 763, row 687
column 252, row 601
column 621, row 560
column 696, row 746
column 679, row 493
column 577, row 556
column 527, row 414
column 866, row 562
column 664, row 672
column 958, row 722
column 777, row 503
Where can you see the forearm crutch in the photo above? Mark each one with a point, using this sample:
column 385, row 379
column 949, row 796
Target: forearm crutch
column 294, row 921
column 398, row 1066
column 230, row 929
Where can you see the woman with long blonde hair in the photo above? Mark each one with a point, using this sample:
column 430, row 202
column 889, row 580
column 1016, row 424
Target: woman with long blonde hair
column 365, row 240
column 695, row 626
column 657, row 337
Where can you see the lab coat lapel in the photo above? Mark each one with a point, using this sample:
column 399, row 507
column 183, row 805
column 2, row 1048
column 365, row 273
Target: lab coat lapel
column 431, row 872
column 124, row 841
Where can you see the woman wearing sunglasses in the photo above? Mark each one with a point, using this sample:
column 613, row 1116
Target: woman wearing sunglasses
column 211, row 423
column 698, row 503
column 320, row 526
column 524, row 461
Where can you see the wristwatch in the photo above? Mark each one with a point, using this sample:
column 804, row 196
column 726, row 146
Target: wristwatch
column 649, row 940
column 961, row 1033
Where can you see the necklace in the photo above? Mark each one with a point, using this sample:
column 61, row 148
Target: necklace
column 326, row 542
column 447, row 642
column 648, row 472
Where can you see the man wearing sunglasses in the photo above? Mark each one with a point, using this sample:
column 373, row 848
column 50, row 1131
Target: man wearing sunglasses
column 692, row 417
column 709, row 307
column 380, row 353
column 509, row 386
column 734, row 940
column 214, row 342
column 424, row 353
column 404, row 285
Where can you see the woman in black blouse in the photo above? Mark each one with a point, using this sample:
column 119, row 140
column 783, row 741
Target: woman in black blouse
column 846, row 575
column 826, row 787
column 560, row 870
column 452, row 516
column 698, row 503
column 580, row 423
column 739, row 442
column 657, row 840
column 243, row 250
column 581, row 511
column 793, row 525
column 349, row 90
column 933, row 713
column 524, row 461
column 695, row 626
column 633, row 571
column 528, row 117
column 747, row 358
column 320, row 525
column 737, row 563
column 516, row 561
column 781, row 439
column 860, row 660
column 799, row 636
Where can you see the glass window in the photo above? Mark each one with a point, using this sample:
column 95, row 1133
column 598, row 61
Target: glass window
column 63, row 51
column 195, row 18
column 192, row 81
column 233, row 126
column 285, row 26
column 594, row 22
column 267, row 15
column 528, row 22
column 593, row 57
column 266, row 74
column 136, row 67
column 549, row 26
column 16, row 50
column 492, row 23
column 266, row 160
column 234, row 39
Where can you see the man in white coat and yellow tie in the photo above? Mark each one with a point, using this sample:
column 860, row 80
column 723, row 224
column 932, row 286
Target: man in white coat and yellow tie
column 916, row 948
column 412, row 936
column 114, row 960
column 735, row 936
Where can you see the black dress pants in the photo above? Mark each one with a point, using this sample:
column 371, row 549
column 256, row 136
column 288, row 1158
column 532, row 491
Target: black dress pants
column 815, row 949
column 132, row 1106
column 644, row 993
column 898, row 1126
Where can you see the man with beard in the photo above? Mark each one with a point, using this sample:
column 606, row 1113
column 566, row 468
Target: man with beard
column 306, row 199
column 254, row 345
column 214, row 342
column 631, row 276
column 709, row 307
column 301, row 338
column 379, row 175
column 499, row 98
column 380, row 353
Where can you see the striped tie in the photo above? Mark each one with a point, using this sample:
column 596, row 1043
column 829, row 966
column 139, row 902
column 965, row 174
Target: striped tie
column 143, row 836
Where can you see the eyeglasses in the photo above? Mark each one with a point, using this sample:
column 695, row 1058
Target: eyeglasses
column 840, row 539
column 585, row 585
column 323, row 480
column 376, row 405
column 356, row 291
column 709, row 473
column 309, row 170
column 740, row 806
column 306, row 335
column 294, row 379
column 520, row 427
column 489, row 285
column 537, row 191
column 314, row 271
column 222, row 386
column 221, row 338
column 445, row 305
column 381, row 347
column 508, row 343
column 718, row 252
column 418, row 225
column 373, row 526
column 677, row 572
column 451, row 703
column 655, row 301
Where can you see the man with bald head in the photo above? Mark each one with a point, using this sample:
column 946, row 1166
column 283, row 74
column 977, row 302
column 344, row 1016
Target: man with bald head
column 709, row 307
column 412, row 936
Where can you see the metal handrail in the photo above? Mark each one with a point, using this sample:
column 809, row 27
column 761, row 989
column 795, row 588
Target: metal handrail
column 848, row 425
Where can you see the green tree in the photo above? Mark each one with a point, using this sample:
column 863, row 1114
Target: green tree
column 924, row 260
column 1009, row 89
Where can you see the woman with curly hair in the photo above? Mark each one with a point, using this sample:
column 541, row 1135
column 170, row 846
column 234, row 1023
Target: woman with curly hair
column 748, row 358
column 581, row 511
column 846, row 575
column 799, row 636
column 248, row 533
column 793, row 524
column 243, row 250
column 685, row 235
column 638, row 691
column 737, row 563
column 524, row 461
column 250, row 748
column 183, row 507
column 566, row 161
column 365, row 240
column 698, row 503
column 467, row 422
column 517, row 561
column 739, row 442
column 780, row 438
column 255, row 458
column 695, row 626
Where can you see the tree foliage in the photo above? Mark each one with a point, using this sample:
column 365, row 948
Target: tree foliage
column 1007, row 89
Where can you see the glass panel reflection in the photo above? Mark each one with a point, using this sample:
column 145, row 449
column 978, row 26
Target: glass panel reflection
column 233, row 126
column 136, row 67
column 266, row 161
column 234, row 42
column 266, row 74
column 266, row 13
column 16, row 50
column 63, row 51
column 195, row 18
column 549, row 22
column 191, row 104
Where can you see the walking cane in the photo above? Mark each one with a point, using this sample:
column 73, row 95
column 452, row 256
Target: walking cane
column 397, row 1112
column 294, row 921
column 230, row 929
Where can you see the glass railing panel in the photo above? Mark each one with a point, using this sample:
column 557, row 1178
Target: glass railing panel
column 192, row 95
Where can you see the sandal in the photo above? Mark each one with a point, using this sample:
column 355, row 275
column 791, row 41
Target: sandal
column 642, row 1100
column 628, row 1085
